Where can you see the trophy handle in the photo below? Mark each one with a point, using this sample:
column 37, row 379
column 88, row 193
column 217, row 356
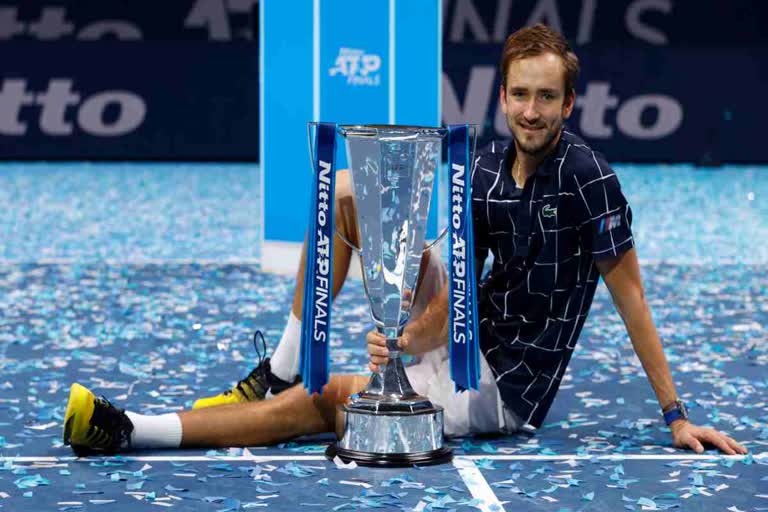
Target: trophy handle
column 310, row 126
column 358, row 250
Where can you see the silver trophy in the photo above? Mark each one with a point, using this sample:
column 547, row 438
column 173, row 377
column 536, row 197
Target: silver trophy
column 393, row 170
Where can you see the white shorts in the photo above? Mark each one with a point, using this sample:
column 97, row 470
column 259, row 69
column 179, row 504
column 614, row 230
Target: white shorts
column 469, row 412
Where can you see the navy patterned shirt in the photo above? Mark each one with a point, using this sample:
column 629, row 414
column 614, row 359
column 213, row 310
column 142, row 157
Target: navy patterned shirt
column 545, row 239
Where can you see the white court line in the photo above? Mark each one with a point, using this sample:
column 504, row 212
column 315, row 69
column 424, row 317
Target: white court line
column 477, row 484
column 266, row 458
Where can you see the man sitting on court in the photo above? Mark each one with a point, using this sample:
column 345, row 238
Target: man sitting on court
column 552, row 212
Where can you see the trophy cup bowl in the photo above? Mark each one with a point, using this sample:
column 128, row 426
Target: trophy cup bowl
column 393, row 170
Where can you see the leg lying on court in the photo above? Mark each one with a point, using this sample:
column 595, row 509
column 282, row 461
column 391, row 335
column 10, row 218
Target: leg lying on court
column 94, row 426
column 242, row 416
column 272, row 375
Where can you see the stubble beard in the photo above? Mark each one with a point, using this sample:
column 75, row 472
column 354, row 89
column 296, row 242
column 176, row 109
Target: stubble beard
column 538, row 149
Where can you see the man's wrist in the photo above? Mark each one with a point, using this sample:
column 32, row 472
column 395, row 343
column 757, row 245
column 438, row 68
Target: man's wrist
column 675, row 412
column 677, row 424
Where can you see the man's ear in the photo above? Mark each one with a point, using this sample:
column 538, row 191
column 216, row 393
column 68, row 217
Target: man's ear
column 503, row 99
column 568, row 103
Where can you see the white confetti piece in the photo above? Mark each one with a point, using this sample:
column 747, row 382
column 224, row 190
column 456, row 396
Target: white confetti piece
column 352, row 482
column 45, row 426
column 342, row 465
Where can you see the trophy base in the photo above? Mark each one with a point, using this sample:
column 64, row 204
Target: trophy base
column 390, row 460
column 385, row 433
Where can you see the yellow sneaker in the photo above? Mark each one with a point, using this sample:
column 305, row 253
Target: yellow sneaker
column 93, row 425
column 260, row 383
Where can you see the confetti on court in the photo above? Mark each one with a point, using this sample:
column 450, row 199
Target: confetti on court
column 154, row 337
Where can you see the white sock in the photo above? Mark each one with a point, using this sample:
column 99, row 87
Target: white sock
column 285, row 359
column 161, row 431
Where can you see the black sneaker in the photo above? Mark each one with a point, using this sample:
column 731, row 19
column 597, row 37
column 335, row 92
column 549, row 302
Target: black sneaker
column 93, row 426
column 258, row 385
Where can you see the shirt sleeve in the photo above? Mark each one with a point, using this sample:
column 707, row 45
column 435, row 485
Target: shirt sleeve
column 606, row 215
column 479, row 222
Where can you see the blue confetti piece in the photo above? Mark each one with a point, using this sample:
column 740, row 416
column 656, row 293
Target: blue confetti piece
column 296, row 470
column 214, row 499
column 485, row 464
column 489, row 448
column 221, row 467
column 230, row 505
column 134, row 486
column 588, row 496
column 31, row 481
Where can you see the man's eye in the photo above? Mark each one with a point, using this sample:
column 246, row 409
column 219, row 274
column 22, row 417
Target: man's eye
column 548, row 96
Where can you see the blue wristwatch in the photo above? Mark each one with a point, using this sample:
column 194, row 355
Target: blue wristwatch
column 678, row 412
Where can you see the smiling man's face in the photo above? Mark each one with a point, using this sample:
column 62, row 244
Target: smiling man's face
column 535, row 102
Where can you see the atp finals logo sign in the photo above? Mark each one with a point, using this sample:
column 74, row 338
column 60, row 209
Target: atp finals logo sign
column 358, row 67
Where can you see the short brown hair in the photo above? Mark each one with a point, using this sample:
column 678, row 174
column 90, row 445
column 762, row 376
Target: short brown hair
column 536, row 40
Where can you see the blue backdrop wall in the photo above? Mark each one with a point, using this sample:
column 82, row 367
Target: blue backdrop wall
column 111, row 79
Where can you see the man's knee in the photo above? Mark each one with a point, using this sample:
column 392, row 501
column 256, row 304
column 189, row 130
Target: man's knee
column 335, row 393
column 346, row 217
column 343, row 184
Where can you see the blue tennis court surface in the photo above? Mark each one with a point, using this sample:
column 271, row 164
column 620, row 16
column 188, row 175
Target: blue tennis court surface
column 139, row 281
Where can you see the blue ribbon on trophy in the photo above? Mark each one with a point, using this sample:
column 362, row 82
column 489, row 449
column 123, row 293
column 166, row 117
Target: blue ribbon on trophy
column 462, row 306
column 318, row 277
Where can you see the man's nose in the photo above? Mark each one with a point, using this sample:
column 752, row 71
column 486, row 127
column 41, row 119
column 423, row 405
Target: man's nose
column 531, row 113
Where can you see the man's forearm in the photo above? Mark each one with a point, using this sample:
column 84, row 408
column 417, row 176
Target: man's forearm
column 430, row 329
column 647, row 346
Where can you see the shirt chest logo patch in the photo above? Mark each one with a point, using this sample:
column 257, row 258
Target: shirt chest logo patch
column 548, row 211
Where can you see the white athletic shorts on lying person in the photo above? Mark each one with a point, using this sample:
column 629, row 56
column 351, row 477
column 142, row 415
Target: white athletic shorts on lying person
column 467, row 413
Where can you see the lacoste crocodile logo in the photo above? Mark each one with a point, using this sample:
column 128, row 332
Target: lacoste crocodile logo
column 548, row 211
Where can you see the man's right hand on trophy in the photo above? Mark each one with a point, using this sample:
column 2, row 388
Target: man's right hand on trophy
column 377, row 348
